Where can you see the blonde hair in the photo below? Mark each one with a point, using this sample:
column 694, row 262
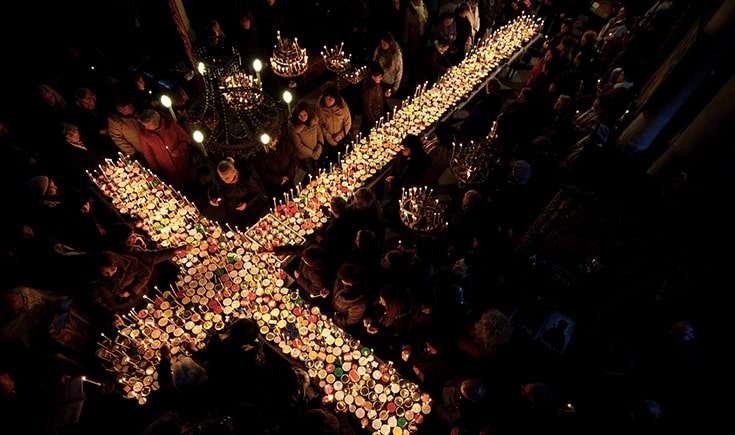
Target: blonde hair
column 226, row 165
column 44, row 89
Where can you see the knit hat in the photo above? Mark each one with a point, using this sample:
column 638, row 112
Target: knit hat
column 38, row 185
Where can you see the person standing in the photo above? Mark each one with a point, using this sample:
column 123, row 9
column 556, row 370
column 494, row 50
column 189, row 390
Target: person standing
column 276, row 166
column 306, row 136
column 389, row 55
column 123, row 128
column 335, row 121
column 373, row 99
column 166, row 149
column 434, row 62
column 415, row 29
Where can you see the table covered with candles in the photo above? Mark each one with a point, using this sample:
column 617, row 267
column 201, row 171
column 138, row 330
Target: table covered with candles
column 227, row 275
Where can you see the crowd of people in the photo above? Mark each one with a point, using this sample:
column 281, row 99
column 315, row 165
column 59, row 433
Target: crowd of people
column 439, row 305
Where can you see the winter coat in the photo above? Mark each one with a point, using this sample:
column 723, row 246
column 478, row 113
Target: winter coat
column 349, row 303
column 307, row 139
column 273, row 165
column 166, row 152
column 335, row 119
column 125, row 133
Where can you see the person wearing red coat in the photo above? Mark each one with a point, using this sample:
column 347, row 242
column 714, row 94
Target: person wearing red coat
column 165, row 147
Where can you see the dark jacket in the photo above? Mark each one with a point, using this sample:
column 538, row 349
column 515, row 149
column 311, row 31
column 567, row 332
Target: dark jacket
column 349, row 303
column 249, row 189
column 274, row 164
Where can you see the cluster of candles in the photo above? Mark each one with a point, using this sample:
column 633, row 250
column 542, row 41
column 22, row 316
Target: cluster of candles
column 225, row 276
column 288, row 59
column 421, row 210
column 355, row 75
column 474, row 162
column 335, row 59
column 242, row 91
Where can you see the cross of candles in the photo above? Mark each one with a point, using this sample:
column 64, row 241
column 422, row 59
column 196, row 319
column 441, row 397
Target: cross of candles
column 289, row 59
column 421, row 210
column 225, row 276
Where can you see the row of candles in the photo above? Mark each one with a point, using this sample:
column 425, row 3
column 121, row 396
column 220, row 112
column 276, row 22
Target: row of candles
column 383, row 142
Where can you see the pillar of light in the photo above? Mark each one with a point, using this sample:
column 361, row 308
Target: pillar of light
column 258, row 67
column 288, row 97
column 198, row 137
column 166, row 101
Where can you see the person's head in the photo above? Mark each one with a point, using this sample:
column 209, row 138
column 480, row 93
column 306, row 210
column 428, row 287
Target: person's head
column 526, row 94
column 388, row 41
column 567, row 43
column 349, row 274
column 411, row 145
column 50, row 97
column 376, row 71
column 338, row 206
column 588, row 37
column 463, row 9
column 394, row 260
column 366, row 239
column 493, row 86
column 106, row 263
column 471, row 200
column 79, row 202
column 70, row 132
column 213, row 32
column 393, row 295
column 446, row 18
column 332, row 96
column 227, row 171
column 86, row 98
column 41, row 185
column 301, row 112
column 314, row 256
column 442, row 44
column 563, row 101
column 123, row 104
column 567, row 25
column 445, row 132
column 150, row 119
column 11, row 304
column 244, row 330
column 246, row 19
column 364, row 198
